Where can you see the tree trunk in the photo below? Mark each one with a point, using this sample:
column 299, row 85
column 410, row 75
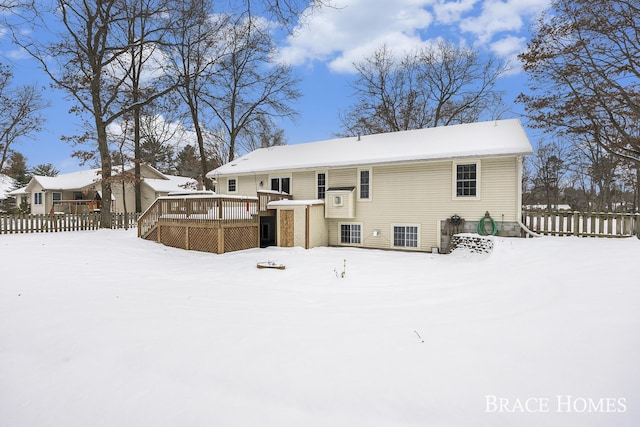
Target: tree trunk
column 137, row 155
column 105, row 157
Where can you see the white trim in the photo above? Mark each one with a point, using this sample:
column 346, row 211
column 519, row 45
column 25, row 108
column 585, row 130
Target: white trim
column 370, row 198
column 454, row 179
column 340, row 224
column 409, row 248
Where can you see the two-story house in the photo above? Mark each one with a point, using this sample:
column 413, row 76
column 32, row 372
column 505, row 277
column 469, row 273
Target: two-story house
column 387, row 191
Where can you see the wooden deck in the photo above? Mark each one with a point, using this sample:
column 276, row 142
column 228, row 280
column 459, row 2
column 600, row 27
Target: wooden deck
column 208, row 223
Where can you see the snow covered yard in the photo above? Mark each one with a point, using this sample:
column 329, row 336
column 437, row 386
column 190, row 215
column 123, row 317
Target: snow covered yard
column 100, row 328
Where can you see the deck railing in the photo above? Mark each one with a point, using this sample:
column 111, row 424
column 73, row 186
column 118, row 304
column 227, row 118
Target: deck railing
column 266, row 196
column 198, row 209
column 28, row 223
column 585, row 224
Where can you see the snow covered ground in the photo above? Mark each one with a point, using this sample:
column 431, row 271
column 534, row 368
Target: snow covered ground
column 100, row 328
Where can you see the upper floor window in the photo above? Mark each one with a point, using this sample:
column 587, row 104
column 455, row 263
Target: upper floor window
column 232, row 185
column 364, row 183
column 467, row 180
column 322, row 185
column 37, row 198
column 282, row 185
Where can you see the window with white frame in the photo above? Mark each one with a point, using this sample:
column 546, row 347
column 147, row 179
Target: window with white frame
column 350, row 234
column 364, row 184
column 466, row 179
column 37, row 198
column 232, row 185
column 56, row 196
column 321, row 181
column 282, row 185
column 405, row 236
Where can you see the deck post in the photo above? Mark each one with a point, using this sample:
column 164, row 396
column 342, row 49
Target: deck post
column 220, row 240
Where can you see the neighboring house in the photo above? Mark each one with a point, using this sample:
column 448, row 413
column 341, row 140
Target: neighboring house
column 80, row 192
column 388, row 191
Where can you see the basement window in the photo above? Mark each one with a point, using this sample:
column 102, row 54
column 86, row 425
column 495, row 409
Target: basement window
column 350, row 234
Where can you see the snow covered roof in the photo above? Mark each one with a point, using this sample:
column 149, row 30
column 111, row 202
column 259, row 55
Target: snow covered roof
column 18, row 191
column 494, row 138
column 301, row 202
column 172, row 183
column 6, row 184
column 68, row 181
column 81, row 179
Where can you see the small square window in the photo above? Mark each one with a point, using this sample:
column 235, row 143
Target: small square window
column 337, row 200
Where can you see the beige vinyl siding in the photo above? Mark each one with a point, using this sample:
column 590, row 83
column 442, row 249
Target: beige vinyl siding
column 247, row 185
column 422, row 194
column 303, row 185
column 343, row 177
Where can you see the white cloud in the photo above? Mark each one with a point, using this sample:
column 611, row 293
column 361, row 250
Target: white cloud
column 508, row 48
column 500, row 16
column 355, row 28
column 448, row 12
column 342, row 34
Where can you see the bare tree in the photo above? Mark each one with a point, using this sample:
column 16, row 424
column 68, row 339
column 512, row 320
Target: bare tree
column 263, row 134
column 434, row 86
column 144, row 32
column 248, row 85
column 83, row 60
column 193, row 58
column 549, row 168
column 20, row 113
column 584, row 65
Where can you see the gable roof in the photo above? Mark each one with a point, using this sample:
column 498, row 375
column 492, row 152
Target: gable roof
column 67, row 181
column 82, row 179
column 494, row 138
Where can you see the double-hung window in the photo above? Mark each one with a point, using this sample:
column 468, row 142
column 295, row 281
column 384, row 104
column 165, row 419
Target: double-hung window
column 56, row 197
column 37, row 198
column 282, row 185
column 350, row 234
column 405, row 236
column 364, row 184
column 467, row 180
column 232, row 185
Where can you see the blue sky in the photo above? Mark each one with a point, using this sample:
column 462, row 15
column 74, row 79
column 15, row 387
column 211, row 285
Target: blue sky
column 322, row 51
